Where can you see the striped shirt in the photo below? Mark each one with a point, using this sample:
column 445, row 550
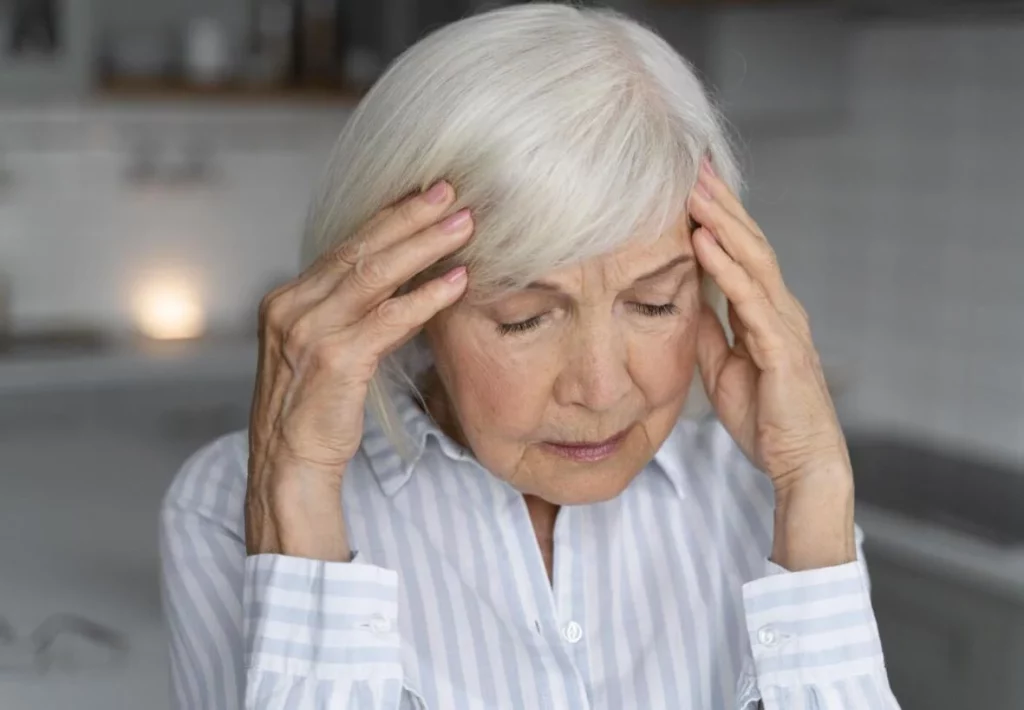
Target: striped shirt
column 662, row 597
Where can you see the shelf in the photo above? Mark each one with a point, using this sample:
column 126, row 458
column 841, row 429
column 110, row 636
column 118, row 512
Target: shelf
column 129, row 361
column 176, row 91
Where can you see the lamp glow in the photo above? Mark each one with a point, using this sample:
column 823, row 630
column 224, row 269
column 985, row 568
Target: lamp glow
column 168, row 308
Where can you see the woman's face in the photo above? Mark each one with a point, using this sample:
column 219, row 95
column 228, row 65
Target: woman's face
column 567, row 388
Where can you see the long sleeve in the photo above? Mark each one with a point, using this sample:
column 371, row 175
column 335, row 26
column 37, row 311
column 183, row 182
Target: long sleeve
column 321, row 635
column 815, row 641
column 267, row 631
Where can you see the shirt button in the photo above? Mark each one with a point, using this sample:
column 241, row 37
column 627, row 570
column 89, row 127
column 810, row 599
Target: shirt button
column 380, row 624
column 768, row 636
column 572, row 632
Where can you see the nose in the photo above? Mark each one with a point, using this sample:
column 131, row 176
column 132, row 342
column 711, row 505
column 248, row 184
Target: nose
column 596, row 370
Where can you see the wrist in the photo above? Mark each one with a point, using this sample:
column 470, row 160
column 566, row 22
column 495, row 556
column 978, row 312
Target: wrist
column 298, row 516
column 814, row 522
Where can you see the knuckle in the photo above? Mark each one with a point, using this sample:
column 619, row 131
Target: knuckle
column 327, row 356
column 391, row 313
column 768, row 258
column 349, row 253
column 409, row 214
column 272, row 309
column 772, row 348
column 369, row 274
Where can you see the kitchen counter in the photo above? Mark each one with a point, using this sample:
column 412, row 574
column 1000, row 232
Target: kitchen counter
column 945, row 549
column 128, row 362
column 939, row 550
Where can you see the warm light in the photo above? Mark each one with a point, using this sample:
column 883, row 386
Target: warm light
column 168, row 308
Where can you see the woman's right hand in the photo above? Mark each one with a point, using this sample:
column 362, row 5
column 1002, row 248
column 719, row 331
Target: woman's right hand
column 321, row 339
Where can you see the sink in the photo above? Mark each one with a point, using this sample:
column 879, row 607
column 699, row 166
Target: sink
column 954, row 489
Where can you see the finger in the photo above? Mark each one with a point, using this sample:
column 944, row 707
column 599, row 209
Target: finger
column 740, row 334
column 389, row 226
column 712, row 349
column 395, row 223
column 749, row 250
column 768, row 334
column 395, row 320
column 730, row 381
column 377, row 277
column 721, row 192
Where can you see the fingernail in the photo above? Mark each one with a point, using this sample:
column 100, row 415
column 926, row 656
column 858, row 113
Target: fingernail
column 436, row 193
column 702, row 191
column 455, row 275
column 456, row 221
column 706, row 164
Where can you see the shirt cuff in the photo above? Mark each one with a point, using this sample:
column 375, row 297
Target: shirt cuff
column 811, row 627
column 332, row 620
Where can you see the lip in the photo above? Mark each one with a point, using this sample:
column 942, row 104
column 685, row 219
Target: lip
column 588, row 451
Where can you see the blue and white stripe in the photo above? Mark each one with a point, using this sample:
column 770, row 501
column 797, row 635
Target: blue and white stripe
column 447, row 605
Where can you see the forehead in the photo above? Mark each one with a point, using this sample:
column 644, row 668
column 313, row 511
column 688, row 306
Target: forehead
column 637, row 257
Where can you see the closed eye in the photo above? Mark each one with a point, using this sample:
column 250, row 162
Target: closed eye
column 649, row 309
column 520, row 326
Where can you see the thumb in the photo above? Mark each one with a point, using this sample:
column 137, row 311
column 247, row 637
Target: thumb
column 712, row 349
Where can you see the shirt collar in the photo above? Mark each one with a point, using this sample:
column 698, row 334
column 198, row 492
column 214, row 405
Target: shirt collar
column 390, row 468
column 393, row 472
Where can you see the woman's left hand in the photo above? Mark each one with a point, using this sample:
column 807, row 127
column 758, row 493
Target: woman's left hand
column 768, row 387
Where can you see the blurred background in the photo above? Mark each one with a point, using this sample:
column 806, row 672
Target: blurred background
column 156, row 158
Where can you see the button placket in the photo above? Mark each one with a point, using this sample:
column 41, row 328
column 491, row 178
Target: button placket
column 566, row 605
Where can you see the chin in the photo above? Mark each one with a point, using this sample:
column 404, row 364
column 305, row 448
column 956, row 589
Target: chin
column 583, row 484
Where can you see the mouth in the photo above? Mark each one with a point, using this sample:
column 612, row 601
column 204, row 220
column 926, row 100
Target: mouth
column 587, row 451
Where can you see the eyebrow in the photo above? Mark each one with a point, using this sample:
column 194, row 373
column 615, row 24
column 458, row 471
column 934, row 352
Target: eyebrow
column 660, row 271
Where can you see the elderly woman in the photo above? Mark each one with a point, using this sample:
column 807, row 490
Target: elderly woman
column 469, row 479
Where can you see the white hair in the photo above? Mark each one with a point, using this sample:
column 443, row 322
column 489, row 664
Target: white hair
column 568, row 131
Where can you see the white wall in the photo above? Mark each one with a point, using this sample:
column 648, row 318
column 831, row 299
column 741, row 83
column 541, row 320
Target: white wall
column 77, row 234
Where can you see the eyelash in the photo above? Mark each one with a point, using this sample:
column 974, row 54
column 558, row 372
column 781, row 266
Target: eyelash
column 662, row 309
column 520, row 327
column 646, row 309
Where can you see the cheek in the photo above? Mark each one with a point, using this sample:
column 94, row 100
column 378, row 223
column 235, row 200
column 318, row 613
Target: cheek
column 495, row 387
column 663, row 364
